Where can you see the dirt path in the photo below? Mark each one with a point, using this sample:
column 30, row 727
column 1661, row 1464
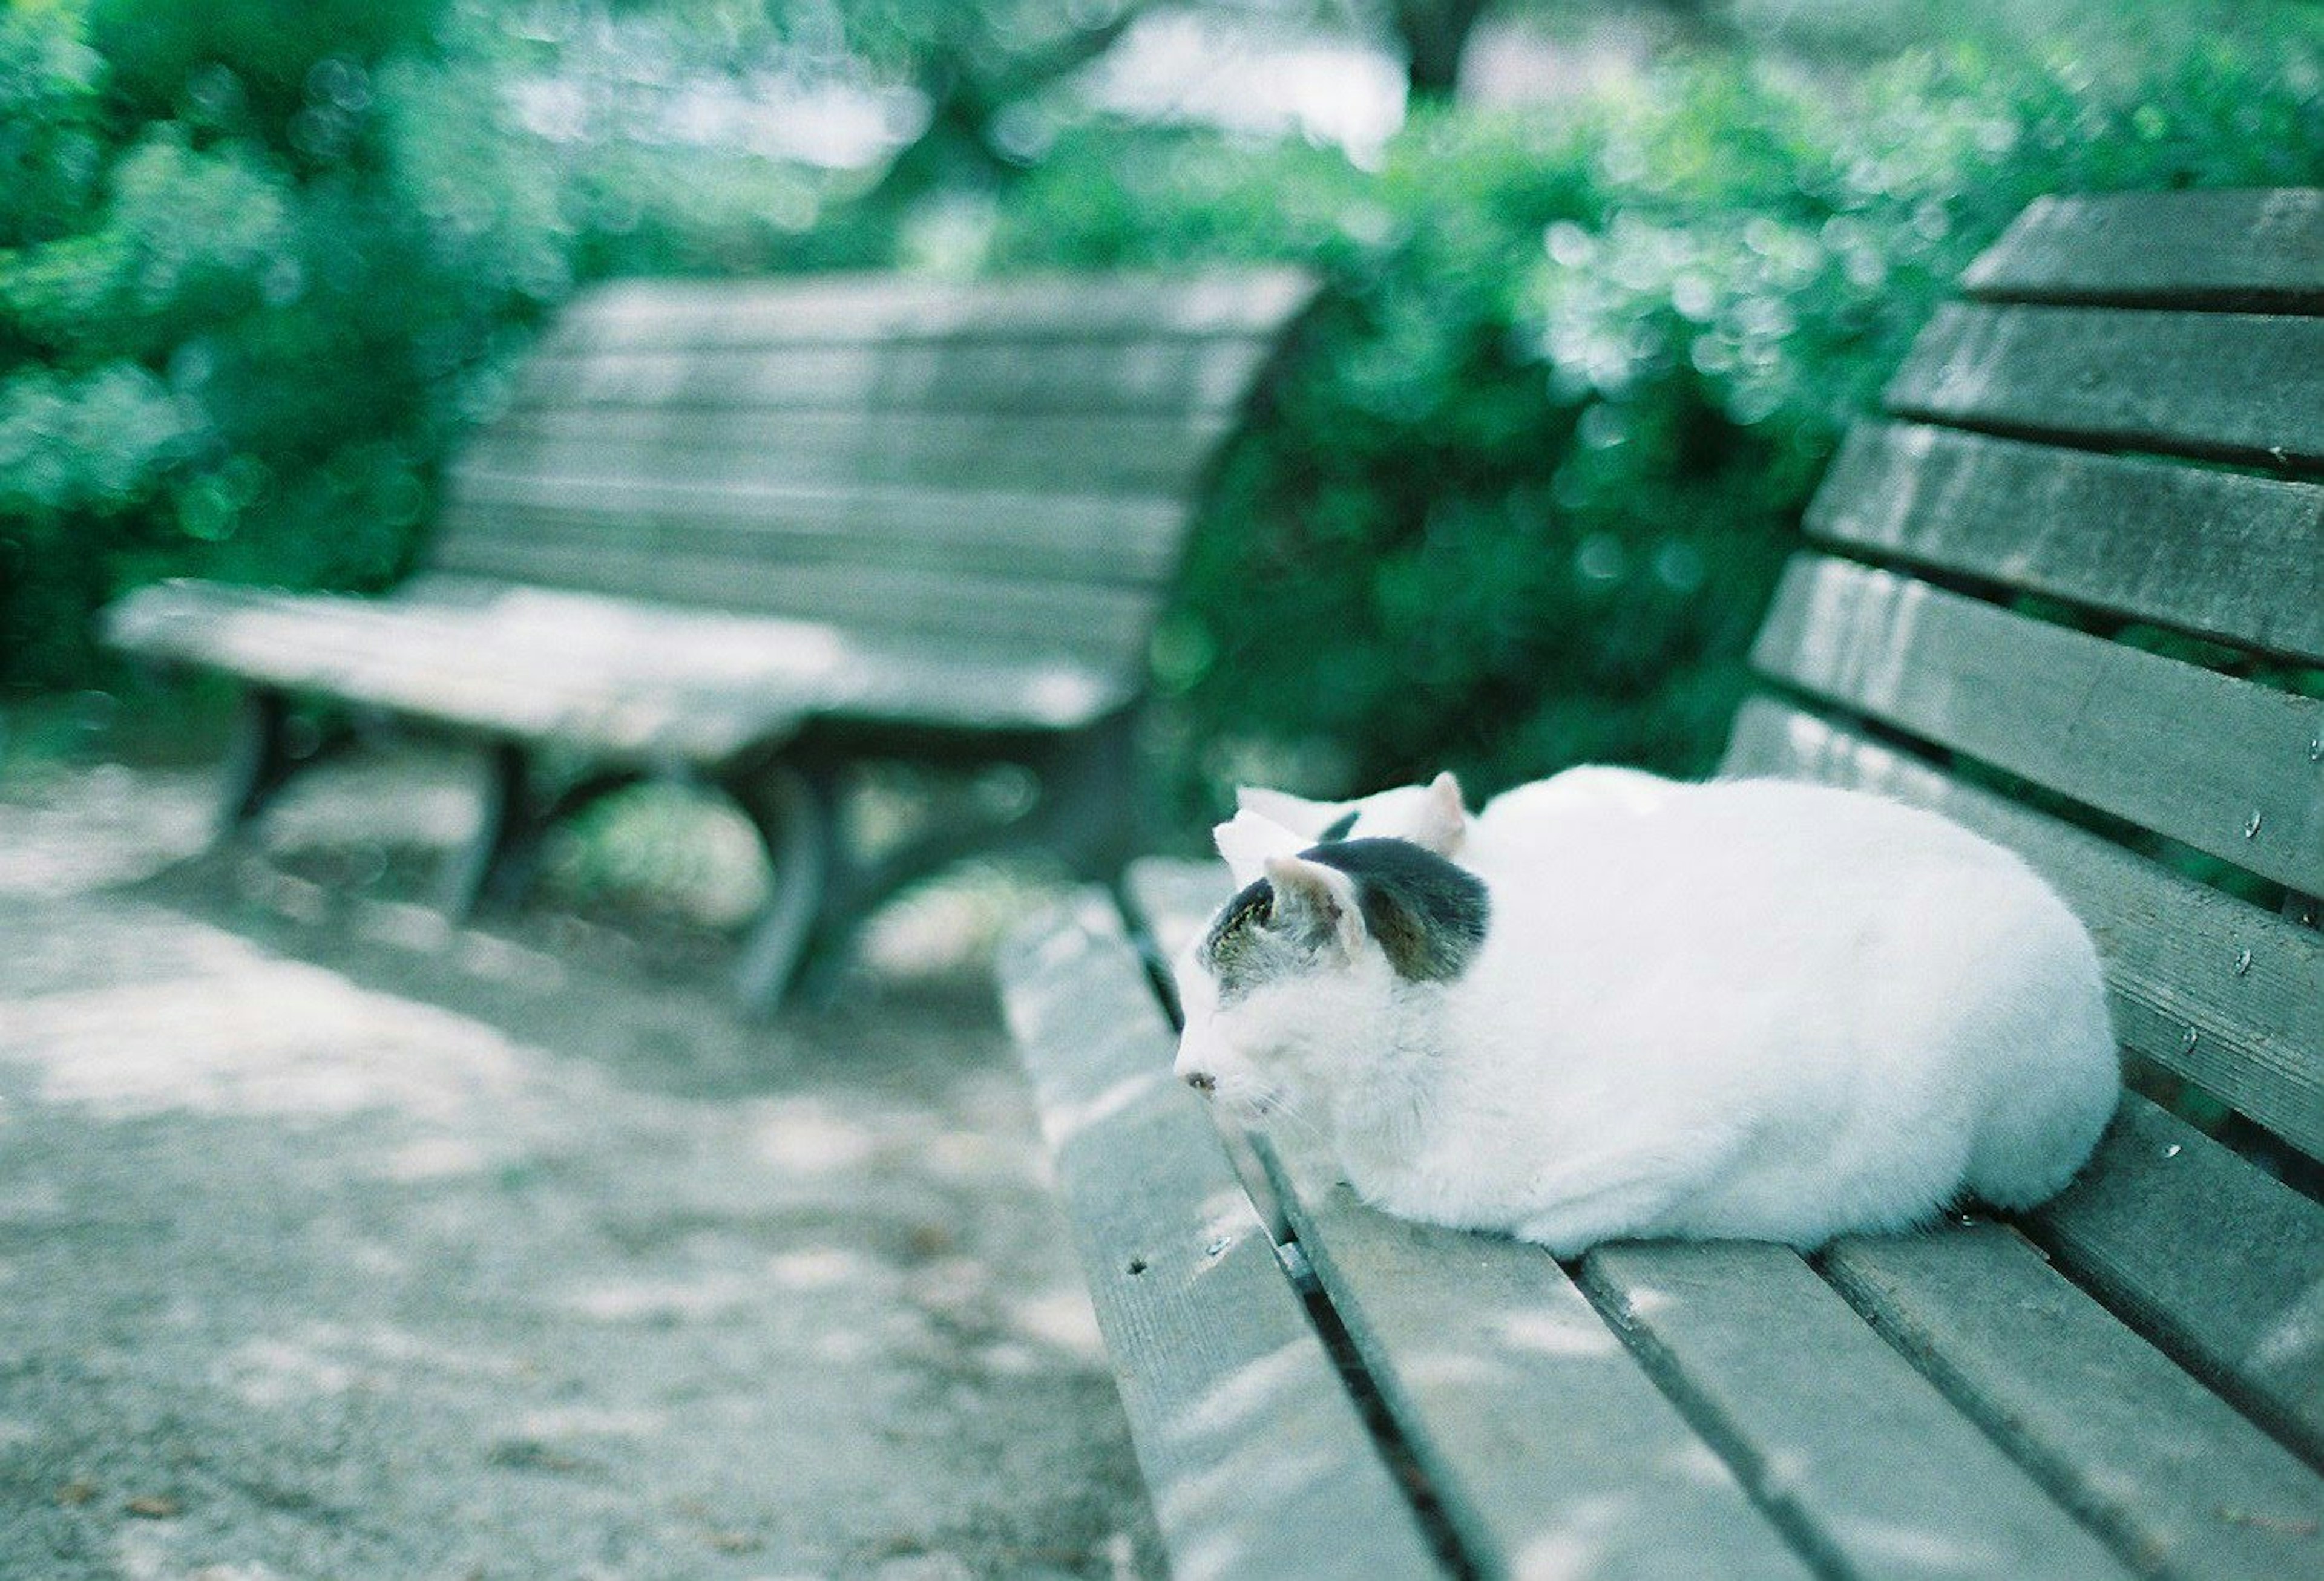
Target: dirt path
column 334, row 1242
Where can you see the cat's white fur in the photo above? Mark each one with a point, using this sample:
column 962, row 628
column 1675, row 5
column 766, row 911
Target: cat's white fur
column 1742, row 1009
column 1433, row 814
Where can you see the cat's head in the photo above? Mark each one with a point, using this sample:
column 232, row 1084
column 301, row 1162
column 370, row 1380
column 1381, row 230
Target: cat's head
column 1302, row 978
column 1431, row 815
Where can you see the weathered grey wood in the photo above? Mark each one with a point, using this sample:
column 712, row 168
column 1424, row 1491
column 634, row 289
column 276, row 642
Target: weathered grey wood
column 795, row 816
column 2204, row 985
column 1828, row 1427
column 634, row 680
column 1257, row 1460
column 1133, row 378
column 2241, row 386
column 1552, row 1453
column 2223, row 765
column 1081, row 622
column 2222, row 1264
column 2254, row 249
column 1176, row 898
column 2222, row 555
column 883, row 308
column 1080, row 452
column 2179, row 1483
column 1052, row 534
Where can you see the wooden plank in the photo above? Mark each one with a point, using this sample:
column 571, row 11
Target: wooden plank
column 1258, row 1463
column 2222, row 1264
column 2179, row 1484
column 1552, row 1452
column 629, row 678
column 1828, row 1426
column 2226, row 765
column 1080, row 622
column 1074, row 454
column 2239, row 386
column 2219, row 991
column 1066, row 537
column 2252, row 249
column 1175, row 899
column 1148, row 377
column 885, row 308
column 2222, row 555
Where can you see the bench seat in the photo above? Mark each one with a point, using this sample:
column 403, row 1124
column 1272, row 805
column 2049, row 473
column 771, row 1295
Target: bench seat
column 2051, row 594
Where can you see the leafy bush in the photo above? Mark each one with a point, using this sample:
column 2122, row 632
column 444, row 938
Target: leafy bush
column 1521, row 496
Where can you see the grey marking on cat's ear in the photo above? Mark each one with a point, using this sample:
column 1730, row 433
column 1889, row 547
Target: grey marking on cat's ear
column 1430, row 914
column 1339, row 827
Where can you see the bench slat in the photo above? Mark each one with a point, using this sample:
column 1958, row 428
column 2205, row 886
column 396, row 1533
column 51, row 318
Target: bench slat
column 2251, row 249
column 2240, row 386
column 1076, row 622
column 2177, row 1480
column 1258, row 1461
column 1068, row 538
column 1080, row 453
column 2224, row 1264
column 883, row 308
column 1552, row 1450
column 2222, row 765
column 1827, row 1423
column 1166, row 378
column 2181, row 958
column 2222, row 555
column 631, row 679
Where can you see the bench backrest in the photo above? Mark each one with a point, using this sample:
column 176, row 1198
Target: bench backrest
column 1013, row 461
column 2112, row 438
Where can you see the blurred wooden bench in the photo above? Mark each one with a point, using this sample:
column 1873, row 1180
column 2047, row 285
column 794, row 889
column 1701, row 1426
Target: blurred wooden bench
column 2069, row 589
column 748, row 534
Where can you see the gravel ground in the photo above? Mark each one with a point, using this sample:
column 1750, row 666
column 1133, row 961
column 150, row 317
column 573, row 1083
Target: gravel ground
column 338, row 1242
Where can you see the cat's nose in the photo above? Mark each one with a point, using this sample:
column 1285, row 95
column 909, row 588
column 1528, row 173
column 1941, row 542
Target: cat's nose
column 1201, row 1082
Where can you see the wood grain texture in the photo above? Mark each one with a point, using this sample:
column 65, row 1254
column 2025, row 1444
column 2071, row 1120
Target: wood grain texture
column 1552, row 1452
column 1076, row 453
column 2204, row 985
column 2226, row 765
column 2177, row 1481
column 1068, row 537
column 2222, row 555
column 1258, row 1461
column 1139, row 377
column 2222, row 1264
column 2240, row 386
column 888, row 309
column 2259, row 250
column 1827, row 1424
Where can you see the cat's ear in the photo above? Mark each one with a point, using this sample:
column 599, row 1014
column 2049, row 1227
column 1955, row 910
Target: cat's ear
column 1443, row 819
column 1316, row 902
column 1249, row 841
column 1297, row 814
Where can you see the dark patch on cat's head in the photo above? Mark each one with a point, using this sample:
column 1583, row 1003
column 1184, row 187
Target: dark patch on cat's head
column 1429, row 913
column 1339, row 827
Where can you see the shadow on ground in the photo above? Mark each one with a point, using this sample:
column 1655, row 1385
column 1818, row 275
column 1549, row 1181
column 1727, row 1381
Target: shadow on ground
column 336, row 1241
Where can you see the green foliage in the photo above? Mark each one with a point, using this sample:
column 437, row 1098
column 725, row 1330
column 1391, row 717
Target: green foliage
column 1524, row 489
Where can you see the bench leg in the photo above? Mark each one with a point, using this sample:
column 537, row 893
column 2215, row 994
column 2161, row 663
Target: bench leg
column 797, row 821
column 258, row 760
column 503, row 823
column 1090, row 812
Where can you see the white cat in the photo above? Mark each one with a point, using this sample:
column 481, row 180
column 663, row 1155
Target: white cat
column 1434, row 815
column 1747, row 1009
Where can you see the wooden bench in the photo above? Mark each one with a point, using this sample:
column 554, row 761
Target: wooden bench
column 2109, row 439
column 749, row 534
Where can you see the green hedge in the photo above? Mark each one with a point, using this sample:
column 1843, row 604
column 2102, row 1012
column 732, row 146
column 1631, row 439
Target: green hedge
column 1517, row 501
column 1530, row 479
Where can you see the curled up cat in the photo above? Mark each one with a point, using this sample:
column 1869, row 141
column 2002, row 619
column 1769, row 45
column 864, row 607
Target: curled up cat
column 1626, row 1006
